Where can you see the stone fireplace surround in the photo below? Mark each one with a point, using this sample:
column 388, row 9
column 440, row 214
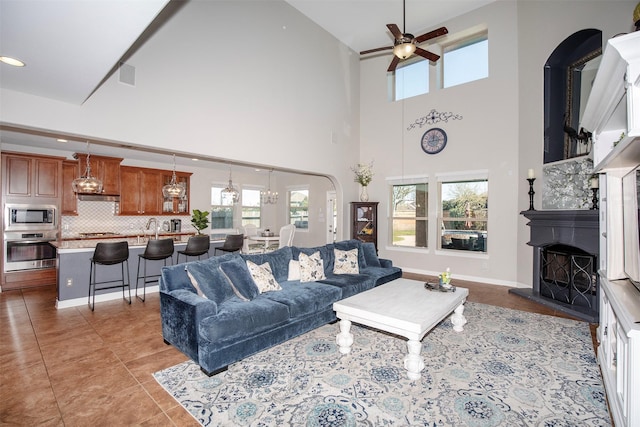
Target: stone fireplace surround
column 569, row 228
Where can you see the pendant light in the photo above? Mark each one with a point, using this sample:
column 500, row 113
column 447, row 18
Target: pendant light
column 86, row 183
column 173, row 189
column 268, row 197
column 231, row 192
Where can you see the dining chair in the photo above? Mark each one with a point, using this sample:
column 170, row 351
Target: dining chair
column 251, row 230
column 232, row 243
column 286, row 237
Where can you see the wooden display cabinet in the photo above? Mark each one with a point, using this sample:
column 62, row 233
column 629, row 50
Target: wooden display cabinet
column 176, row 205
column 364, row 222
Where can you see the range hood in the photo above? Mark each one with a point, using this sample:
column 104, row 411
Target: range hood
column 91, row 197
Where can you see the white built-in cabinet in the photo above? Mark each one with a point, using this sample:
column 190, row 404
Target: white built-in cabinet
column 613, row 116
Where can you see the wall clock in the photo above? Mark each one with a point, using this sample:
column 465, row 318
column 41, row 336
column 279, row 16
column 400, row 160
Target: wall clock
column 433, row 141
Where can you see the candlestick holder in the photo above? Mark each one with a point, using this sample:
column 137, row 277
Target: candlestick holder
column 594, row 199
column 531, row 193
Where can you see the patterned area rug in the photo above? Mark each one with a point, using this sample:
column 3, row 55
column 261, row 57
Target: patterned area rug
column 507, row 368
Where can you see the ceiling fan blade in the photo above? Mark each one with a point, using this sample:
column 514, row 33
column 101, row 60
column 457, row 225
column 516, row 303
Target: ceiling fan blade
column 432, row 34
column 426, row 54
column 394, row 64
column 395, row 31
column 364, row 52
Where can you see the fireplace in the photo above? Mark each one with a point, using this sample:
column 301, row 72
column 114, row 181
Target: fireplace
column 565, row 261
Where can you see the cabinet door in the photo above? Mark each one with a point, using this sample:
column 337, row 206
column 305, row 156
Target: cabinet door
column 70, row 171
column 151, row 192
column 47, row 177
column 175, row 204
column 130, row 203
column 106, row 169
column 17, row 179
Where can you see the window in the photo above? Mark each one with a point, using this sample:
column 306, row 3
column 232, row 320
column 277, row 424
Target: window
column 463, row 215
column 466, row 62
column 409, row 215
column 221, row 211
column 412, row 79
column 299, row 208
column 250, row 207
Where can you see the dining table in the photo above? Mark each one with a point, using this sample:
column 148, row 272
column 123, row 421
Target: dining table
column 265, row 239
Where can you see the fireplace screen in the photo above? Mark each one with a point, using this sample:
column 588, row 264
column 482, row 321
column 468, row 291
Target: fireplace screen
column 569, row 275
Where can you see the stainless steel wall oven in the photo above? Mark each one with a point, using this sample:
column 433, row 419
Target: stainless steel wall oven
column 28, row 231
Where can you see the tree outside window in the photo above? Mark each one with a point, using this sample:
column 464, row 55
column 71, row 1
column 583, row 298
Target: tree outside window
column 250, row 207
column 221, row 210
column 299, row 208
column 409, row 215
column 464, row 212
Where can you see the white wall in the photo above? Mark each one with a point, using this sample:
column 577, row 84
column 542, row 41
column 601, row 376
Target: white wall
column 252, row 81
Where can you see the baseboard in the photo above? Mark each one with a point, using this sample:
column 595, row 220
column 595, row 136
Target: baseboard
column 76, row 302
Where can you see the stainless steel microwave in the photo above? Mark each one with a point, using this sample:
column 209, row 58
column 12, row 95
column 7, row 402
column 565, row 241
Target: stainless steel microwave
column 30, row 217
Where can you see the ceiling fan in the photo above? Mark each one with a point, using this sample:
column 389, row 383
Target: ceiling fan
column 405, row 44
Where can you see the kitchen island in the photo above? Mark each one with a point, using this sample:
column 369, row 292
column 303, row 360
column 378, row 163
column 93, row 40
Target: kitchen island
column 73, row 261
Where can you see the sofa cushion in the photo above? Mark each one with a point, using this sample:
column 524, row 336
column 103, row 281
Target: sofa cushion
column 347, row 245
column 345, row 262
column 262, row 277
column 350, row 284
column 205, row 277
column 238, row 319
column 294, row 270
column 278, row 260
column 370, row 255
column 311, row 267
column 307, row 298
column 326, row 253
column 239, row 278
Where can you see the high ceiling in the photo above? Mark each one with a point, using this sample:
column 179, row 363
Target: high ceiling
column 71, row 46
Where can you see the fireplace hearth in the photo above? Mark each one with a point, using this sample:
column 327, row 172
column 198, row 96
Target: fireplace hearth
column 565, row 261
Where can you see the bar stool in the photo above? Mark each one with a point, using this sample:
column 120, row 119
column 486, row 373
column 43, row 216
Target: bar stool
column 232, row 243
column 196, row 246
column 156, row 250
column 109, row 254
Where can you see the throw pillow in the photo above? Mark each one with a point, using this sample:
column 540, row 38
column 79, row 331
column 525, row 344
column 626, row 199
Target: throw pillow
column 294, row 270
column 311, row 267
column 240, row 279
column 346, row 262
column 194, row 283
column 262, row 276
column 208, row 282
column 370, row 255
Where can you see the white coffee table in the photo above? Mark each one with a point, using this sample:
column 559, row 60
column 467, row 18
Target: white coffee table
column 402, row 307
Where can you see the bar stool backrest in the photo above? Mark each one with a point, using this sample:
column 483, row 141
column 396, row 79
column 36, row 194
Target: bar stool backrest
column 158, row 249
column 197, row 245
column 109, row 253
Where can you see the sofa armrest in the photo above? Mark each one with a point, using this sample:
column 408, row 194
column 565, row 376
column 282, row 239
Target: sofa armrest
column 181, row 312
column 386, row 263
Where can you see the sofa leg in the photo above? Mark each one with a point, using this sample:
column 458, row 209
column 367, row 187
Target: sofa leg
column 216, row 372
column 166, row 342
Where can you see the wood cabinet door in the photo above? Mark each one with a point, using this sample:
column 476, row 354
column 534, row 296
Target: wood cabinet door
column 17, row 175
column 130, row 180
column 47, row 177
column 151, row 192
column 106, row 169
column 364, row 222
column 69, row 203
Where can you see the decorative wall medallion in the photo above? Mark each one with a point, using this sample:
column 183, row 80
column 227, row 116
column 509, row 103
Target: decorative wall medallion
column 434, row 117
column 433, row 141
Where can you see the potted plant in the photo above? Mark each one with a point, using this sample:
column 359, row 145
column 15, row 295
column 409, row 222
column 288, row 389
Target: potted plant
column 200, row 220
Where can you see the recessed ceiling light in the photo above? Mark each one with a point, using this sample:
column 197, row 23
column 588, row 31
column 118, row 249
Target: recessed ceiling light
column 61, row 140
column 194, row 159
column 12, row 61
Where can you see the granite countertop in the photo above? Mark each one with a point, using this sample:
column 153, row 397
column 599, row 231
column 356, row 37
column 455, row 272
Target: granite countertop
column 69, row 244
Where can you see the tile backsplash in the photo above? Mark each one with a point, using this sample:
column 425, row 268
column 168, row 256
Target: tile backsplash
column 97, row 217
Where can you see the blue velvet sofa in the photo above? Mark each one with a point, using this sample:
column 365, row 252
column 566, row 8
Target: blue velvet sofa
column 213, row 311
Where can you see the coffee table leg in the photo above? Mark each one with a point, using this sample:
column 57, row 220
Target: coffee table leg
column 344, row 339
column 413, row 362
column 457, row 319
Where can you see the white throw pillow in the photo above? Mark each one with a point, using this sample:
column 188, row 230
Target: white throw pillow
column 346, row 262
column 262, row 276
column 294, row 270
column 311, row 267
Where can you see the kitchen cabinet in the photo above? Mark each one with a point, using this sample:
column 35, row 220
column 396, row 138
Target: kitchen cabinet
column 141, row 191
column 176, row 205
column 30, row 178
column 69, row 202
column 106, row 169
column 364, row 222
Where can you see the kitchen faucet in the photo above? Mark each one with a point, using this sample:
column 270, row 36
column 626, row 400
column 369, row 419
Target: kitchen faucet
column 154, row 220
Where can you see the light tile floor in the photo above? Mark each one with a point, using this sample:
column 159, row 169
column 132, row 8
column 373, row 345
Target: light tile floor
column 75, row 367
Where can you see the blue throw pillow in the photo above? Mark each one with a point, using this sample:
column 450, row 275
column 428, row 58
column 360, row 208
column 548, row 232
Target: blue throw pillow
column 370, row 255
column 208, row 280
column 240, row 279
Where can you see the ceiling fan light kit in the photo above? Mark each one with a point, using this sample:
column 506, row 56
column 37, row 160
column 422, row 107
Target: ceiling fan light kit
column 405, row 44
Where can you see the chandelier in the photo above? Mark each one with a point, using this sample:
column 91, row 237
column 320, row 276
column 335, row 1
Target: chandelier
column 86, row 183
column 173, row 189
column 269, row 197
column 230, row 192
